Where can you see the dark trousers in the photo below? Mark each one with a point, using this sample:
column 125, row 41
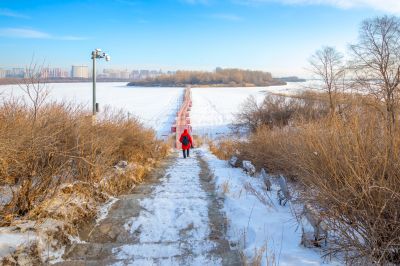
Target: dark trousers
column 185, row 153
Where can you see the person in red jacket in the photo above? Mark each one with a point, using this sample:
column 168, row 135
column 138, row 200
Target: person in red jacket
column 187, row 143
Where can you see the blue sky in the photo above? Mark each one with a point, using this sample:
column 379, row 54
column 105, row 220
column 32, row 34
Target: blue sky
column 272, row 35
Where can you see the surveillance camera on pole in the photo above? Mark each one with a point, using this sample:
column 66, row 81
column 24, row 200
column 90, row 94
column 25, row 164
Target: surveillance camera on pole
column 97, row 54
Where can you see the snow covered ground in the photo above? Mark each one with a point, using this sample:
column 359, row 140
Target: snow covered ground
column 173, row 224
column 212, row 113
column 179, row 206
column 154, row 106
column 260, row 227
column 9, row 241
column 214, row 109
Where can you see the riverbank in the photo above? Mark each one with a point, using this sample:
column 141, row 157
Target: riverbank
column 221, row 85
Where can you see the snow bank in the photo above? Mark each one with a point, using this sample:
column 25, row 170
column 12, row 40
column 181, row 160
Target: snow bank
column 259, row 222
column 9, row 241
column 16, row 240
column 50, row 235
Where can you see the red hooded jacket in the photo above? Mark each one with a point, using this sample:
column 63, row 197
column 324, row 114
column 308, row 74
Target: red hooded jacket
column 186, row 133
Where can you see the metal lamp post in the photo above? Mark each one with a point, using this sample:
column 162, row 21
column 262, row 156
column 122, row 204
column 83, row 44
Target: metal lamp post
column 97, row 54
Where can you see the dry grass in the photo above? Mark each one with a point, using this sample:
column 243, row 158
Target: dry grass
column 31, row 255
column 262, row 196
column 257, row 258
column 59, row 145
column 345, row 164
column 279, row 110
column 223, row 148
column 225, row 187
column 171, row 141
column 198, row 141
column 352, row 177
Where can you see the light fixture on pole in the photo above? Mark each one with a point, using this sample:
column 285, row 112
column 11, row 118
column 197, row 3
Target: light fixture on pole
column 97, row 54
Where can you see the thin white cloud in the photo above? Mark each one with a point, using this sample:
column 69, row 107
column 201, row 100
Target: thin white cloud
column 23, row 33
column 4, row 12
column 228, row 17
column 34, row 34
column 391, row 6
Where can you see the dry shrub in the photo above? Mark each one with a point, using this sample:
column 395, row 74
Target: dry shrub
column 225, row 187
column 223, row 148
column 75, row 203
column 125, row 180
column 266, row 148
column 278, row 110
column 59, row 143
column 198, row 141
column 348, row 172
column 171, row 141
column 257, row 258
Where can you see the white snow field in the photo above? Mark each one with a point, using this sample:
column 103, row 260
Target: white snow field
column 214, row 109
column 154, row 106
column 212, row 113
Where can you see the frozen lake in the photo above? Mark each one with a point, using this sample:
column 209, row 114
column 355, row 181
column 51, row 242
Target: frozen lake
column 212, row 113
column 214, row 109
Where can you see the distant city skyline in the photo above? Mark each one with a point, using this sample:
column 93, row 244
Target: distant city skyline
column 82, row 71
column 277, row 36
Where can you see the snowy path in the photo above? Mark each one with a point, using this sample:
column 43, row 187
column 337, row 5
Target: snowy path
column 174, row 220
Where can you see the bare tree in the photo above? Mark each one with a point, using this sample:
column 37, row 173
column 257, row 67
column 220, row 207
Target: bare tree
column 248, row 118
column 34, row 85
column 327, row 64
column 376, row 62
